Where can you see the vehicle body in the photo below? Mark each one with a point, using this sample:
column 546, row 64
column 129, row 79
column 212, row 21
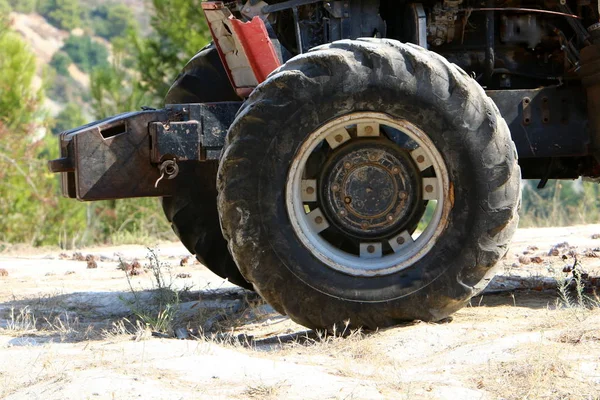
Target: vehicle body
column 370, row 180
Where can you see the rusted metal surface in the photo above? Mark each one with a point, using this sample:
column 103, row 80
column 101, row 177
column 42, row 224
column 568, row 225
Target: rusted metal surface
column 540, row 118
column 120, row 157
column 244, row 47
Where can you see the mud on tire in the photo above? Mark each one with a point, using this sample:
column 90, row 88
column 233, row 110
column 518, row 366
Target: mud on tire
column 193, row 210
column 404, row 82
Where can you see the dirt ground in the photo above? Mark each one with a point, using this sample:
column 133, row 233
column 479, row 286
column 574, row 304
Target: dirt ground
column 69, row 332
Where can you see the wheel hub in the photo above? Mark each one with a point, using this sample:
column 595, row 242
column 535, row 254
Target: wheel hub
column 370, row 188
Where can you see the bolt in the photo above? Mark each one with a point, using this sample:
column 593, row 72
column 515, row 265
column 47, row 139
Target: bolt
column 335, row 188
column 347, row 165
column 403, row 195
column 420, row 159
column 369, row 130
column 319, row 220
column 400, row 240
column 429, row 188
column 371, row 249
column 364, row 225
column 343, row 213
column 395, row 170
column 310, row 190
column 390, row 217
column 348, row 200
column 372, row 157
column 339, row 138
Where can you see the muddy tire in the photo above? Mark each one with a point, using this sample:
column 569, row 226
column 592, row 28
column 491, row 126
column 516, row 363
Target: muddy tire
column 383, row 101
column 192, row 211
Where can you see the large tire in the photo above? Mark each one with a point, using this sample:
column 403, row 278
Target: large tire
column 192, row 211
column 398, row 80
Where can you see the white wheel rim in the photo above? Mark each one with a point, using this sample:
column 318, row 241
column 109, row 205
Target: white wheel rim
column 374, row 263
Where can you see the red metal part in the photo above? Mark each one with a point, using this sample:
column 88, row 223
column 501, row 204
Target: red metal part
column 258, row 47
column 244, row 47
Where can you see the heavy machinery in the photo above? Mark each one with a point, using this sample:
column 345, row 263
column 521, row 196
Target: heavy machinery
column 357, row 160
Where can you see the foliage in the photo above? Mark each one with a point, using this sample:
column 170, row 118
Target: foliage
column 112, row 20
column 561, row 203
column 180, row 31
column 114, row 89
column 61, row 62
column 64, row 14
column 18, row 68
column 86, row 53
column 24, row 6
column 70, row 117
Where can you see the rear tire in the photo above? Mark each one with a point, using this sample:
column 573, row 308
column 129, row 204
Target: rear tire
column 302, row 273
column 192, row 211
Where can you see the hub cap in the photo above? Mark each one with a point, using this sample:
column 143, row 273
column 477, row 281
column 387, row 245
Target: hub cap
column 357, row 190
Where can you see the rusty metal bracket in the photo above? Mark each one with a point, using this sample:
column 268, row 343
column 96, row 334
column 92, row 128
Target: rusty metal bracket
column 119, row 157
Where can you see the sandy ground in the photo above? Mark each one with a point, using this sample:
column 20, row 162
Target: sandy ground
column 64, row 334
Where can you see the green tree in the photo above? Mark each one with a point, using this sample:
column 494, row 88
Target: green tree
column 61, row 62
column 17, row 63
column 179, row 31
column 64, row 14
column 112, row 20
column 70, row 117
column 86, row 53
column 24, row 6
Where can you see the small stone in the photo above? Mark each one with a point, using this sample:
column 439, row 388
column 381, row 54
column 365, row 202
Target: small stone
column 185, row 261
column 525, row 260
column 596, row 236
column 3, row 272
column 591, row 254
column 533, row 248
column 63, row 256
column 69, row 272
column 554, row 252
column 90, row 257
column 91, row 264
column 537, row 260
column 78, row 257
column 184, row 275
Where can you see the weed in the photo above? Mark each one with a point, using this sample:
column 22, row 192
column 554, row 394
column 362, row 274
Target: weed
column 158, row 315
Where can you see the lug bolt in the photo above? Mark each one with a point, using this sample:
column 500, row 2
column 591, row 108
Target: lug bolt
column 310, row 190
column 372, row 157
column 319, row 220
column 390, row 217
column 348, row 200
column 368, row 130
column 335, row 188
column 339, row 138
column 395, row 170
column 347, row 165
column 371, row 249
column 400, row 240
column 420, row 159
column 343, row 213
column 429, row 188
column 402, row 195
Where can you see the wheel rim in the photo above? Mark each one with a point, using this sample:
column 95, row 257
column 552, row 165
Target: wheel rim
column 356, row 189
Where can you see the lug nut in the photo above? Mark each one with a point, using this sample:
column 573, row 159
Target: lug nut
column 369, row 130
column 371, row 249
column 348, row 200
column 395, row 170
column 390, row 217
column 343, row 213
column 310, row 190
column 402, row 195
column 335, row 188
column 429, row 188
column 319, row 220
column 400, row 240
column 339, row 138
column 420, row 159
column 347, row 165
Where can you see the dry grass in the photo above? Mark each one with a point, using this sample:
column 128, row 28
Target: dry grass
column 264, row 391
